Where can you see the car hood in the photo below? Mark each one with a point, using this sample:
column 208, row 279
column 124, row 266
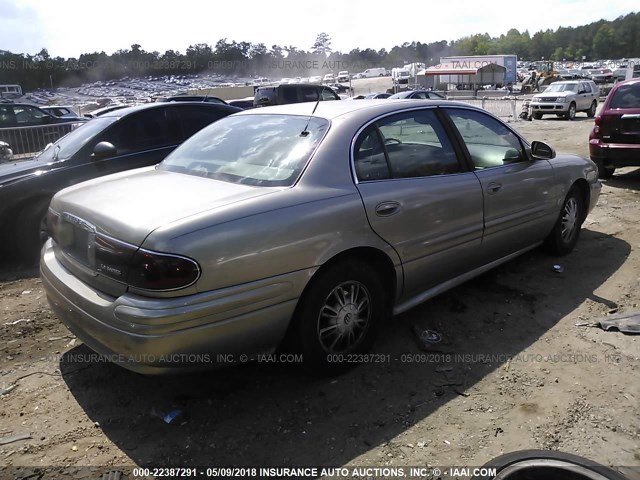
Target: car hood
column 554, row 94
column 16, row 171
column 130, row 205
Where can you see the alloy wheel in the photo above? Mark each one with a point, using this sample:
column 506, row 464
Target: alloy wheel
column 344, row 317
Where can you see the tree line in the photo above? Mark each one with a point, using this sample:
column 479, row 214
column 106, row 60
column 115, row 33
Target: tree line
column 616, row 39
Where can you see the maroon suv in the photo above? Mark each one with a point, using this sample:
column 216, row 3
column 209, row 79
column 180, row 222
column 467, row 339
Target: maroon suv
column 614, row 140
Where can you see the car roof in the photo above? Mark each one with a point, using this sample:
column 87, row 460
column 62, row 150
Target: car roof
column 147, row 106
column 627, row 82
column 336, row 108
column 22, row 104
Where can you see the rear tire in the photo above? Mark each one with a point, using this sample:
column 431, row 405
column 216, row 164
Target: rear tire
column 338, row 316
column 565, row 233
column 31, row 230
column 604, row 172
column 592, row 110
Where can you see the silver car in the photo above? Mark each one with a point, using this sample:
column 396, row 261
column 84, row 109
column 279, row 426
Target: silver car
column 302, row 226
column 565, row 99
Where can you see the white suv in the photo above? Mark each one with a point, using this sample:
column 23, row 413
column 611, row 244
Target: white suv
column 564, row 99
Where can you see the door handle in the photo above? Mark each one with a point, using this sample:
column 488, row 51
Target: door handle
column 494, row 188
column 386, row 209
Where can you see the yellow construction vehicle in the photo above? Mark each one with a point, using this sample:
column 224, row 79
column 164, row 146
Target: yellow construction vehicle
column 543, row 75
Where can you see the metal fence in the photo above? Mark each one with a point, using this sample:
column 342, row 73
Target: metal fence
column 27, row 141
column 507, row 108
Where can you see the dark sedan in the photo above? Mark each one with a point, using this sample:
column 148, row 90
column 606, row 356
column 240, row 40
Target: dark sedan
column 121, row 140
column 418, row 95
column 24, row 115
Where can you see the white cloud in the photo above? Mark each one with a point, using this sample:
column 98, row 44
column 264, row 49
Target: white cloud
column 74, row 26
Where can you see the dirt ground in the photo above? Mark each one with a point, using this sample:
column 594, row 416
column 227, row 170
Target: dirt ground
column 513, row 371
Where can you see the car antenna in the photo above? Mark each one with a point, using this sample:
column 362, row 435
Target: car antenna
column 305, row 132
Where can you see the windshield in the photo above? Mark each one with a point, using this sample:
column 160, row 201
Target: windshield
column 261, row 150
column 562, row 87
column 76, row 139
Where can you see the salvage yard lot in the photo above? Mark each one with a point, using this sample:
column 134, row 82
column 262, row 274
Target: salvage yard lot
column 513, row 371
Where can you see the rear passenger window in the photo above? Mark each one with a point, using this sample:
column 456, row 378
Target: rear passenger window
column 194, row 119
column 290, row 94
column 309, row 94
column 370, row 159
column 407, row 145
column 327, row 94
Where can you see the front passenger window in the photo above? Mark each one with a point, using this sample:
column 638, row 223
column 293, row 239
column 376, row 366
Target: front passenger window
column 489, row 142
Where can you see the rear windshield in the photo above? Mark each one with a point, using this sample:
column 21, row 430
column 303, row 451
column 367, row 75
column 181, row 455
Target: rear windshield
column 261, row 150
column 626, row 96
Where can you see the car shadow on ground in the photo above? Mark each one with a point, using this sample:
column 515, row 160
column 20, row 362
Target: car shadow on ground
column 562, row 119
column 12, row 268
column 627, row 179
column 274, row 414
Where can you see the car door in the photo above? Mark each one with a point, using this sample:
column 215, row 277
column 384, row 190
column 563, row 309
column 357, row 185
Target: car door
column 585, row 96
column 419, row 197
column 519, row 202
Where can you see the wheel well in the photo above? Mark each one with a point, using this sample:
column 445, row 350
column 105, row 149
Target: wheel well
column 374, row 257
column 583, row 187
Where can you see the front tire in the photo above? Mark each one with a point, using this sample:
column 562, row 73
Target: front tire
column 536, row 116
column 545, row 465
column 338, row 317
column 565, row 233
column 571, row 113
column 592, row 109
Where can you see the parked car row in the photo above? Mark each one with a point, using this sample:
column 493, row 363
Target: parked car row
column 299, row 227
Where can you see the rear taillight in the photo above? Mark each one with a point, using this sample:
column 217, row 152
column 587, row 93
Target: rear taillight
column 143, row 269
column 160, row 271
column 596, row 127
column 111, row 257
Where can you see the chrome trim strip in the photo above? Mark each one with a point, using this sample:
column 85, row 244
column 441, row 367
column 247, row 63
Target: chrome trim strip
column 454, row 282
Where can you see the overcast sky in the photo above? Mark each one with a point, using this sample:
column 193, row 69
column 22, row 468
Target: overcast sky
column 69, row 28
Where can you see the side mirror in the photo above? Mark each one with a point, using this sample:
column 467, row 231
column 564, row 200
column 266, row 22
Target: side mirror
column 103, row 150
column 542, row 151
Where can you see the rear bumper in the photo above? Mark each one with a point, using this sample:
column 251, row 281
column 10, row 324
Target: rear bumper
column 614, row 154
column 594, row 194
column 163, row 335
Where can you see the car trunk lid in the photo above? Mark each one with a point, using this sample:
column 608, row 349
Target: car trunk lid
column 123, row 209
column 620, row 126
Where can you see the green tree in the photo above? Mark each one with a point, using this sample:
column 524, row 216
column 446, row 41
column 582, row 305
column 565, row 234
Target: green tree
column 322, row 45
